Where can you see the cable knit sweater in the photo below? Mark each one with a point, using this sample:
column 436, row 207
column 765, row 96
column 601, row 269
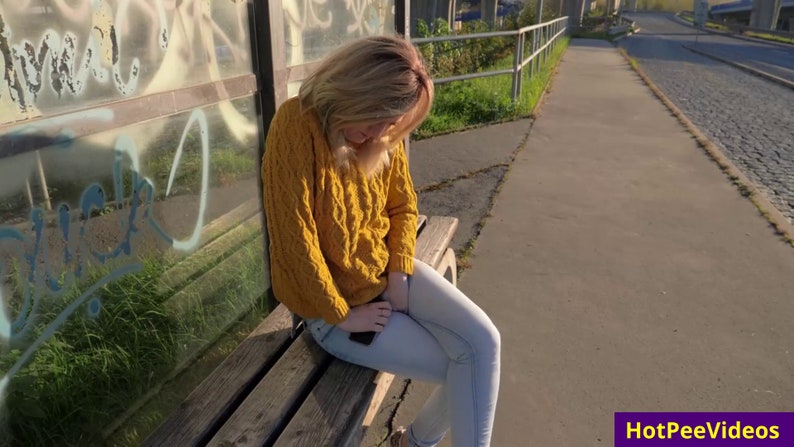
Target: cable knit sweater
column 334, row 234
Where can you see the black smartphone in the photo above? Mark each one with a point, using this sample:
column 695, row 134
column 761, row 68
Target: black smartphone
column 366, row 338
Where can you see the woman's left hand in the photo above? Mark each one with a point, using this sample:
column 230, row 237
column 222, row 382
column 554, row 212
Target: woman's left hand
column 397, row 291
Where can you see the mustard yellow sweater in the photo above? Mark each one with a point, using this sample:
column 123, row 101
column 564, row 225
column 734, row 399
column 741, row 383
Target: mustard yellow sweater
column 334, row 234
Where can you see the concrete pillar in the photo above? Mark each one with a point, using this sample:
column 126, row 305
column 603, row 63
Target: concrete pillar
column 556, row 6
column 613, row 7
column 765, row 14
column 488, row 11
column 446, row 10
column 574, row 9
column 428, row 10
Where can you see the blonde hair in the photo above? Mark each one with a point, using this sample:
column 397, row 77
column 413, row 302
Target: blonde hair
column 369, row 80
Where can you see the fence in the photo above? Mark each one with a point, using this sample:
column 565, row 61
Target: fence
column 543, row 38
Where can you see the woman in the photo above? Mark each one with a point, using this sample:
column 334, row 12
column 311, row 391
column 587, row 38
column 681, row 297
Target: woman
column 341, row 215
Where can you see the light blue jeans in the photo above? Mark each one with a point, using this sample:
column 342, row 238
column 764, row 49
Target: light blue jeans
column 444, row 339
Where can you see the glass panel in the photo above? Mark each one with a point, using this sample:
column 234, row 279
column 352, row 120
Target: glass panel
column 93, row 51
column 313, row 28
column 127, row 259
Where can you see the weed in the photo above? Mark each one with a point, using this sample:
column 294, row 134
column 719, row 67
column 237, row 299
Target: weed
column 100, row 360
column 462, row 104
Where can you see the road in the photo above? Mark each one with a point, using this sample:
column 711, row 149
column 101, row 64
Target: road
column 750, row 118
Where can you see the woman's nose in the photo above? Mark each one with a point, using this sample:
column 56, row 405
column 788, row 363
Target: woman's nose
column 375, row 130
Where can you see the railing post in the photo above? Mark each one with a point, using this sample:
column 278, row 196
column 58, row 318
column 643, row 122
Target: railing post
column 538, row 38
column 522, row 40
column 550, row 34
column 402, row 24
column 518, row 58
column 531, row 53
column 535, row 47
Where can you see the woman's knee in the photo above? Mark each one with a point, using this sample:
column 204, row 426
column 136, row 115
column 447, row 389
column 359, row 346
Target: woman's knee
column 491, row 338
column 482, row 341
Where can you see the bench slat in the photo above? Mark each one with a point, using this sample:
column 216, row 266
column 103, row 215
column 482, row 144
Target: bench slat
column 346, row 388
column 338, row 400
column 353, row 391
column 230, row 220
column 214, row 398
column 209, row 254
column 209, row 284
column 420, row 223
column 260, row 417
column 435, row 239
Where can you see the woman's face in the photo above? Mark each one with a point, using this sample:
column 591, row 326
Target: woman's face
column 359, row 134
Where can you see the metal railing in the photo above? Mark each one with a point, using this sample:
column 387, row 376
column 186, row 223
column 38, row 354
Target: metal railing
column 543, row 39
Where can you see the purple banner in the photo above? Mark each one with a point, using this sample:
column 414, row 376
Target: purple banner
column 704, row 429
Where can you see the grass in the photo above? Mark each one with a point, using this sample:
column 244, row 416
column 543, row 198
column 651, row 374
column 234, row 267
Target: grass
column 227, row 165
column 772, row 37
column 96, row 366
column 463, row 104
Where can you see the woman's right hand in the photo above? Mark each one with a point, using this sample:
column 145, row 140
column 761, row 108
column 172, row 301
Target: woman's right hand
column 367, row 317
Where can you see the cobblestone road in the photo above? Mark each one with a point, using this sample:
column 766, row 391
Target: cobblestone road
column 752, row 119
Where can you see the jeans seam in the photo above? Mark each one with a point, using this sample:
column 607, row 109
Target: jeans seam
column 474, row 360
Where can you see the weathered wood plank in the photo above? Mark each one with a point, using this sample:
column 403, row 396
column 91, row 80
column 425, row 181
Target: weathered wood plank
column 230, row 220
column 420, row 223
column 327, row 421
column 435, row 238
column 332, row 409
column 209, row 254
column 211, row 281
column 213, row 399
column 268, row 407
column 383, row 382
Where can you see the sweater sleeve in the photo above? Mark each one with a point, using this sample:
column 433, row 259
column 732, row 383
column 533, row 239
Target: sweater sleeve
column 402, row 209
column 301, row 278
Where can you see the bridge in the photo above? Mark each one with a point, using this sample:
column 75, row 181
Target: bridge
column 742, row 12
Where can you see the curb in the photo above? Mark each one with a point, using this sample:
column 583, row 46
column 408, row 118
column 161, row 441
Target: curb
column 631, row 32
column 779, row 222
column 754, row 71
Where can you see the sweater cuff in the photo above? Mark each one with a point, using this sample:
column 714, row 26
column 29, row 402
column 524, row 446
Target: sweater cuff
column 337, row 313
column 401, row 263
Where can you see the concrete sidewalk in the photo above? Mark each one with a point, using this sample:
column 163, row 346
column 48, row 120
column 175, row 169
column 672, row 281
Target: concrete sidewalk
column 624, row 270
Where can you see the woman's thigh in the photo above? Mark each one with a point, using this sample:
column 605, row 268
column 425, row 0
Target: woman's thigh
column 404, row 348
column 454, row 320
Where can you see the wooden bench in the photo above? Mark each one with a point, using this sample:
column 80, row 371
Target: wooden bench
column 280, row 388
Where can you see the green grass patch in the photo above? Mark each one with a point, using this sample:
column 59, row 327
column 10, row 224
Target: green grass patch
column 710, row 25
column 463, row 104
column 226, row 167
column 772, row 37
column 99, row 364
column 716, row 26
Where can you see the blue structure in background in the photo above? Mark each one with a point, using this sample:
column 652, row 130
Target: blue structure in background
column 503, row 8
column 740, row 11
column 742, row 6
